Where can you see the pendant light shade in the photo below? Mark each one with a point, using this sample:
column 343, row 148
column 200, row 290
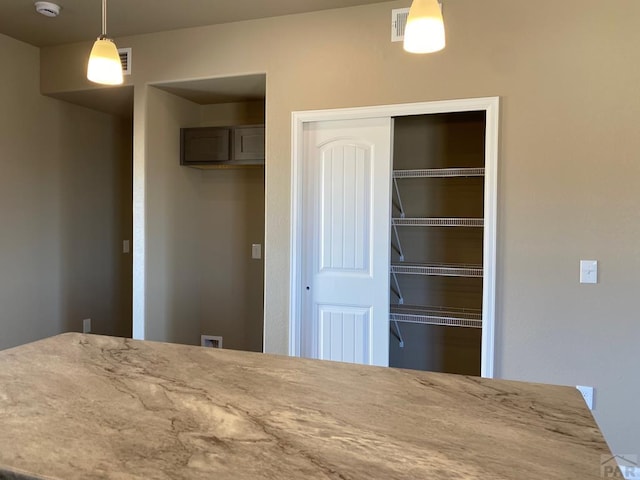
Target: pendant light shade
column 104, row 62
column 424, row 32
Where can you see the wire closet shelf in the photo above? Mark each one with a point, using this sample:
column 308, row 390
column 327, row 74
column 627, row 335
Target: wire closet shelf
column 429, row 315
column 439, row 173
column 437, row 222
column 438, row 269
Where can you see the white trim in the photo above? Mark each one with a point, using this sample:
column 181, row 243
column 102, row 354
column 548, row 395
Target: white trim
column 402, row 109
column 490, row 237
column 266, row 231
column 138, row 292
column 295, row 277
column 491, row 106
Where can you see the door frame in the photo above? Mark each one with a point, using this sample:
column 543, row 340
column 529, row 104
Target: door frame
column 491, row 106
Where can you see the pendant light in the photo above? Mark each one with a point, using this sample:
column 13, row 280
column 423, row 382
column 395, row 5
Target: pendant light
column 104, row 62
column 424, row 32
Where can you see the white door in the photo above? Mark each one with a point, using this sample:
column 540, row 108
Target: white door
column 346, row 235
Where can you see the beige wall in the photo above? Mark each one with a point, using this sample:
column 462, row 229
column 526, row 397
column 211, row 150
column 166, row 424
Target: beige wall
column 239, row 113
column 232, row 284
column 568, row 76
column 172, row 217
column 66, row 174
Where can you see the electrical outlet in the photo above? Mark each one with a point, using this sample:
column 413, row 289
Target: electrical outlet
column 86, row 325
column 587, row 394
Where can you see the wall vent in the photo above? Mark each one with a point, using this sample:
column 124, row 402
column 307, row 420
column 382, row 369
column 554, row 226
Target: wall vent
column 398, row 23
column 125, row 59
column 211, row 341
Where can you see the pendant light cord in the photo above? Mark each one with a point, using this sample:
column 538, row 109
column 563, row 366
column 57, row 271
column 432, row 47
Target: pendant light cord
column 104, row 18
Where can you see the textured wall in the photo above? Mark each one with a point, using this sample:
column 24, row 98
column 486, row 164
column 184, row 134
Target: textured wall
column 172, row 254
column 66, row 174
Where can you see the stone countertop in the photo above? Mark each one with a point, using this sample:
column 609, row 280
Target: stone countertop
column 84, row 406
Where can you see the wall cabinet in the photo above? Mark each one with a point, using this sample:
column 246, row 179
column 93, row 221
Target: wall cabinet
column 222, row 146
column 248, row 144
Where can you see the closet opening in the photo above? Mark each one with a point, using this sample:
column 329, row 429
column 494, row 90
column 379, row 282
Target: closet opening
column 430, row 299
column 436, row 272
column 219, row 209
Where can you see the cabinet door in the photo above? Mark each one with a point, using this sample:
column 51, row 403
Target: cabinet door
column 205, row 145
column 248, row 143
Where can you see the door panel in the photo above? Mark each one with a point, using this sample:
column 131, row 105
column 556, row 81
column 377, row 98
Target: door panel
column 345, row 200
column 344, row 333
column 346, row 244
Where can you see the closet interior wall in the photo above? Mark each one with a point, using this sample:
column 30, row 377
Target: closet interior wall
column 438, row 141
column 232, row 219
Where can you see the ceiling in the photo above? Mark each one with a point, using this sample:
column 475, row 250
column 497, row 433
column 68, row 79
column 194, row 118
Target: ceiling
column 80, row 20
column 219, row 90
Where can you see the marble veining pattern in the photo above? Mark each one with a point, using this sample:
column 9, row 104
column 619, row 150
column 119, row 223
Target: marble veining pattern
column 84, row 406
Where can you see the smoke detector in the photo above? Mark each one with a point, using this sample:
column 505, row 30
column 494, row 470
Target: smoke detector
column 47, row 9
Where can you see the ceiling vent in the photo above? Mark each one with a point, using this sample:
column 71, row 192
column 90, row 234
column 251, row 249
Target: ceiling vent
column 398, row 23
column 125, row 59
column 47, row 9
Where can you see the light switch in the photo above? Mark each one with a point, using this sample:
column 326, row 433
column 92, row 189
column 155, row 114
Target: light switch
column 588, row 271
column 125, row 246
column 256, row 251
